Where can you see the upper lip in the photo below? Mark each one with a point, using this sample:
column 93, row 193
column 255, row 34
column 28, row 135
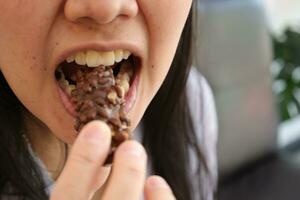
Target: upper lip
column 132, row 48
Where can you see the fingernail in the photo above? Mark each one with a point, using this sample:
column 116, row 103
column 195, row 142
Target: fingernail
column 157, row 182
column 96, row 131
column 132, row 149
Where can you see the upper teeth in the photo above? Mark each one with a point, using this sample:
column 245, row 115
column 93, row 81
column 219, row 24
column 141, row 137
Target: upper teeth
column 93, row 58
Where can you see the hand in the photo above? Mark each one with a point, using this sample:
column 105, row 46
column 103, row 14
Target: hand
column 84, row 174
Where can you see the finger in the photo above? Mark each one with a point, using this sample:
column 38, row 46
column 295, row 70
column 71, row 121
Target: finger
column 101, row 177
column 156, row 188
column 128, row 173
column 86, row 158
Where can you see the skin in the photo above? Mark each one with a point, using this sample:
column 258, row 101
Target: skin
column 34, row 33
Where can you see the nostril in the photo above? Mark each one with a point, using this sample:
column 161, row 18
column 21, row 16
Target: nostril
column 74, row 10
column 129, row 9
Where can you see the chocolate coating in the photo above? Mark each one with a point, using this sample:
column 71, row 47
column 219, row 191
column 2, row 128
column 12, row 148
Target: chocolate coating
column 96, row 98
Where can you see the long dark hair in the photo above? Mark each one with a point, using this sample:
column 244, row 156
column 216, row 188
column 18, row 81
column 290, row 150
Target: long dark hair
column 168, row 133
column 167, row 124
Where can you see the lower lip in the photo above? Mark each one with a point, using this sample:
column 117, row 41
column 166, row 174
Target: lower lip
column 130, row 97
column 69, row 106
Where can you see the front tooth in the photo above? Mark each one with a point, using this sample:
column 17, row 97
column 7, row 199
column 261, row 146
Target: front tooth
column 107, row 58
column 126, row 54
column 92, row 59
column 80, row 58
column 118, row 55
column 70, row 59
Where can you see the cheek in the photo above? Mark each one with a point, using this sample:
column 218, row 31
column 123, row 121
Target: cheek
column 23, row 29
column 165, row 20
column 19, row 21
column 24, row 25
column 20, row 36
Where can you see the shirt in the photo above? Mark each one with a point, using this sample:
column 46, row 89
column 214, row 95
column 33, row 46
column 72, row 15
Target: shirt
column 204, row 117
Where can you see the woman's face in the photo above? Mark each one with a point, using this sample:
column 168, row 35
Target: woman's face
column 35, row 35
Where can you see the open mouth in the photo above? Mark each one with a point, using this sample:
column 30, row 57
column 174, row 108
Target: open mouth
column 124, row 65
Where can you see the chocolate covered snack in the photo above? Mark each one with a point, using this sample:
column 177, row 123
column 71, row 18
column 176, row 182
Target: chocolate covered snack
column 99, row 95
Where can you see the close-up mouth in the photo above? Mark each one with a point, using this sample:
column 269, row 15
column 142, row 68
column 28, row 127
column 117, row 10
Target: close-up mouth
column 125, row 66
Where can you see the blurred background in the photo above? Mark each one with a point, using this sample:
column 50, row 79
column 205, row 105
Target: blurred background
column 249, row 50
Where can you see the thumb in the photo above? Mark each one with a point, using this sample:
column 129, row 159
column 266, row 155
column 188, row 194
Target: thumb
column 77, row 180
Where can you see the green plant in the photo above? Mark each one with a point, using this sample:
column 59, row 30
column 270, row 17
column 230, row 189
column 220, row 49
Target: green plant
column 287, row 73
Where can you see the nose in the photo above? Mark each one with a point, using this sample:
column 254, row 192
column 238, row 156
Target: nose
column 100, row 11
